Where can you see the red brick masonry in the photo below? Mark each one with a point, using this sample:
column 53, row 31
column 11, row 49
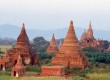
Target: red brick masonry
column 52, row 70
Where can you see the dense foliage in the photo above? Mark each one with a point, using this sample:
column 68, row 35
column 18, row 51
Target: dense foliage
column 33, row 68
column 102, row 57
column 1, row 52
column 44, row 59
column 77, row 71
column 106, row 44
column 39, row 44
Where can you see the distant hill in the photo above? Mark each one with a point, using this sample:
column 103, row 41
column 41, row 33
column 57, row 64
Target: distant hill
column 12, row 31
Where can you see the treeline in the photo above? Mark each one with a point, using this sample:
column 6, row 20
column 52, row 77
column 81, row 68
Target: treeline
column 94, row 56
column 102, row 57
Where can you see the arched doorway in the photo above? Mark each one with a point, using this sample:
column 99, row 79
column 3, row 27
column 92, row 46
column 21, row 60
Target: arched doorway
column 15, row 62
column 1, row 66
column 14, row 73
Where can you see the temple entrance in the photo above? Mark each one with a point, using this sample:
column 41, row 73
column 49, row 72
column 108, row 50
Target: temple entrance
column 87, row 41
column 15, row 62
column 1, row 66
column 14, row 73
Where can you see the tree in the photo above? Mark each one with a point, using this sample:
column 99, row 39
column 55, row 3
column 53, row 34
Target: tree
column 39, row 44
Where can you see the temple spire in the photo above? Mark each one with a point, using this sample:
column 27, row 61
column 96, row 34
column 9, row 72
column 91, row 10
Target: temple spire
column 90, row 32
column 83, row 36
column 19, row 62
column 71, row 40
column 53, row 41
column 71, row 28
column 23, row 40
column 18, row 70
column 53, row 46
column 23, row 31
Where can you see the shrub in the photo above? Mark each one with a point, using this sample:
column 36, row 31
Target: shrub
column 77, row 71
column 33, row 68
column 78, row 78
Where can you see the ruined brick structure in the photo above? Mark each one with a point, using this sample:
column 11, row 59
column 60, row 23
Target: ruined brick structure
column 5, row 61
column 53, row 46
column 18, row 70
column 70, row 54
column 23, row 48
column 87, row 40
column 52, row 70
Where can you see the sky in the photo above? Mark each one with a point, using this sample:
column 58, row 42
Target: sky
column 56, row 14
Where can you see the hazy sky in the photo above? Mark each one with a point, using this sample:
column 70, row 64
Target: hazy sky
column 54, row 14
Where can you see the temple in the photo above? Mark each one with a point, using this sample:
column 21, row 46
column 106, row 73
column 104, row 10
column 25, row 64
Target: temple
column 22, row 43
column 23, row 48
column 70, row 54
column 87, row 40
column 18, row 70
column 53, row 46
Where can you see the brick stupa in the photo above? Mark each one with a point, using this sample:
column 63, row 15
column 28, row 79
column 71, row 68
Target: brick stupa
column 23, row 48
column 18, row 70
column 70, row 54
column 53, row 46
column 22, row 43
column 4, row 61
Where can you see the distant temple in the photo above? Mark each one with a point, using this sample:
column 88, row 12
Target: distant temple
column 23, row 48
column 70, row 54
column 53, row 46
column 87, row 40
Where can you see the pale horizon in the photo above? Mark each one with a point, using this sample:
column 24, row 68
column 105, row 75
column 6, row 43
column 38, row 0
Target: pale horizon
column 56, row 14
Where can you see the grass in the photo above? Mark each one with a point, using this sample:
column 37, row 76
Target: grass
column 6, row 76
column 99, row 76
column 31, row 73
column 32, row 78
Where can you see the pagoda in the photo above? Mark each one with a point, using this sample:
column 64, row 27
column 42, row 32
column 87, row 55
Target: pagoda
column 70, row 54
column 22, row 43
column 87, row 40
column 53, row 46
column 23, row 47
column 18, row 70
column 4, row 61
